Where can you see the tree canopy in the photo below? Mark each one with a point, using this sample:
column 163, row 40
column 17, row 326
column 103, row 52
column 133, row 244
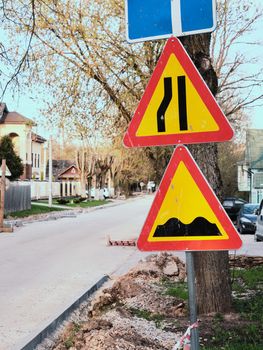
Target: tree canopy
column 13, row 162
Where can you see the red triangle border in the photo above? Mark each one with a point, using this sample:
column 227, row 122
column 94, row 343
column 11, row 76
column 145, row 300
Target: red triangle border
column 233, row 242
column 225, row 131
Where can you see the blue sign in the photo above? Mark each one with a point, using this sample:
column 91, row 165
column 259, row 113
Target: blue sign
column 157, row 19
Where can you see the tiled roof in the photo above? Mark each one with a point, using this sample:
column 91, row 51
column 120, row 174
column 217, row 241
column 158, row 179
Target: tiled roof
column 68, row 173
column 38, row 138
column 15, row 118
column 58, row 166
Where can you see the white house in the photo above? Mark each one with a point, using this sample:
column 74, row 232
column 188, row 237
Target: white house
column 28, row 145
column 250, row 170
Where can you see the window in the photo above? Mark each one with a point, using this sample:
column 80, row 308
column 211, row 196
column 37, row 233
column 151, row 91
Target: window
column 32, row 159
column 35, row 160
column 38, row 160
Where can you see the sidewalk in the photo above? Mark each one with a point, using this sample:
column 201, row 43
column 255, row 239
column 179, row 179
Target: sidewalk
column 67, row 212
column 53, row 205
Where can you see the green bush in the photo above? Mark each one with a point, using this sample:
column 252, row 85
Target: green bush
column 62, row 201
column 79, row 200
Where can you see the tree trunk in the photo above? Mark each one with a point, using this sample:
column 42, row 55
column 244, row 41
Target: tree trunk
column 211, row 268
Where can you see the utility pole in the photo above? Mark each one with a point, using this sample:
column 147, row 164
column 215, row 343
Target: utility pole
column 50, row 173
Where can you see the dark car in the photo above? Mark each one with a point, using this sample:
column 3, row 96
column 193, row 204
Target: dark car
column 232, row 206
column 247, row 218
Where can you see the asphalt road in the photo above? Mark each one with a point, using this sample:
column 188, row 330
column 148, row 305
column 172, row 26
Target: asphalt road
column 46, row 266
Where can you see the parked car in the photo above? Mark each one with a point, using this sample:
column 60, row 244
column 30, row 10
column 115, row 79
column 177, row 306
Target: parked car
column 247, row 218
column 151, row 186
column 106, row 194
column 259, row 229
column 232, row 206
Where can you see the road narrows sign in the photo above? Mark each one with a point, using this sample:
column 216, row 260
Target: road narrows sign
column 177, row 107
column 186, row 214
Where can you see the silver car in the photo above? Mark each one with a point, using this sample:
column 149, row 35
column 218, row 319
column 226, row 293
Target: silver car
column 259, row 229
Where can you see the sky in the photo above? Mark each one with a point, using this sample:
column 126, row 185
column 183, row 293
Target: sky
column 29, row 104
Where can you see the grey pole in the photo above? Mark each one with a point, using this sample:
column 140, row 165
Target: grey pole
column 50, row 174
column 192, row 299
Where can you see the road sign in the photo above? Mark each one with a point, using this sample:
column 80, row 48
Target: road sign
column 177, row 106
column 186, row 214
column 155, row 19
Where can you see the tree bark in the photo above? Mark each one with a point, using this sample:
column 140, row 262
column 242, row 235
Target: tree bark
column 213, row 282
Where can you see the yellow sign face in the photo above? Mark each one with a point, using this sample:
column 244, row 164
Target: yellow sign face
column 184, row 207
column 185, row 214
column 198, row 116
column 177, row 107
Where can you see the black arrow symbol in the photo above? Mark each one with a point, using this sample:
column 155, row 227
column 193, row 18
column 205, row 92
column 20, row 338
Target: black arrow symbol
column 164, row 104
column 182, row 103
column 166, row 101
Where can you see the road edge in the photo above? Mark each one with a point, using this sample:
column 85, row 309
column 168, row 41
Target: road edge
column 62, row 317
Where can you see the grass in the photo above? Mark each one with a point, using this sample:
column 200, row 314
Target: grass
column 92, row 203
column 250, row 277
column 35, row 210
column 178, row 290
column 70, row 340
column 245, row 333
column 86, row 204
column 39, row 209
column 147, row 315
column 242, row 332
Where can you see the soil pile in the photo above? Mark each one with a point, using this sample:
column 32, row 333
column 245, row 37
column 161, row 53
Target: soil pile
column 130, row 314
column 146, row 309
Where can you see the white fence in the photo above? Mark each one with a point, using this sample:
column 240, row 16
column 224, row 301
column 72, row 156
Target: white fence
column 20, row 193
column 40, row 189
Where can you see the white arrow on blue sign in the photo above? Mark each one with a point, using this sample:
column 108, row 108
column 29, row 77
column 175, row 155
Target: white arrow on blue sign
column 157, row 19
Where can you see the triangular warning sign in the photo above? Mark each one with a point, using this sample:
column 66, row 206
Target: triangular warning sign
column 177, row 107
column 186, row 214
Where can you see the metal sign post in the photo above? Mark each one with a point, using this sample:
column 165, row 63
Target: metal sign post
column 50, row 174
column 192, row 300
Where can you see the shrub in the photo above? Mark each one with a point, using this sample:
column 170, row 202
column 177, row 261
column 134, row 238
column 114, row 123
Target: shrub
column 62, row 201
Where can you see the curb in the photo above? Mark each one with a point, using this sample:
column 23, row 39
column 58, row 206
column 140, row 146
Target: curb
column 62, row 317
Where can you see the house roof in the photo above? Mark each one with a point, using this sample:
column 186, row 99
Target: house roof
column 70, row 172
column 15, row 118
column 254, row 148
column 38, row 138
column 59, row 166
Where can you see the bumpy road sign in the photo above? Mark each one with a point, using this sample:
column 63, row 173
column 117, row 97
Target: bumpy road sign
column 155, row 19
column 177, row 107
column 186, row 214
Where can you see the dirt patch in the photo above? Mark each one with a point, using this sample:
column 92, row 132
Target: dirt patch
column 133, row 313
column 143, row 310
column 244, row 261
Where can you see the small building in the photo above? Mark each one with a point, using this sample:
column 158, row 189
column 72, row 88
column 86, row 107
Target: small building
column 28, row 145
column 66, row 173
column 69, row 178
column 250, row 170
